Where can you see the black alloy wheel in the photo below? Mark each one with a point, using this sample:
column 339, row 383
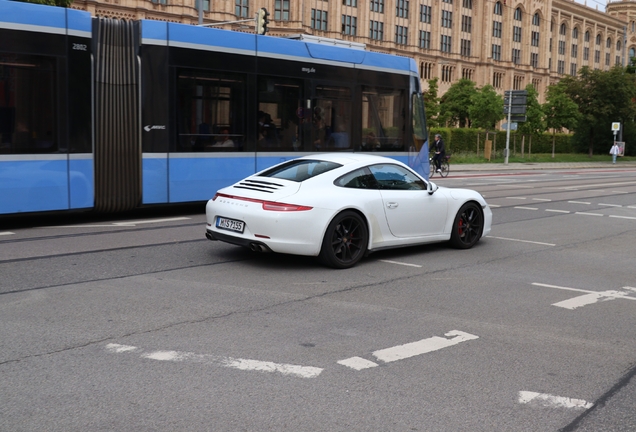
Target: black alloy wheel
column 345, row 241
column 468, row 226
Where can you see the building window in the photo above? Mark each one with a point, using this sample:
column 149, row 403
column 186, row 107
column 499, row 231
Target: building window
column 598, row 39
column 618, row 45
column 587, row 36
column 448, row 1
column 281, row 10
column 608, row 43
column 242, row 8
column 352, row 3
column 562, row 30
column 376, row 30
column 618, row 61
column 575, row 33
column 425, row 39
column 497, row 79
column 561, row 66
column 632, row 52
column 446, row 44
column 496, row 29
column 349, row 25
column 318, row 19
column 468, row 74
column 516, row 34
column 465, row 48
column 573, row 69
column 518, row 14
column 536, row 19
column 426, row 70
column 498, row 8
column 377, row 6
column 607, row 59
column 425, row 14
column 468, row 4
column 536, row 83
column 535, row 39
column 575, row 50
column 561, row 47
column 517, row 83
column 496, row 52
column 516, row 56
column 447, row 73
column 447, row 19
column 597, row 56
column 402, row 9
column 534, row 60
column 586, row 53
column 467, row 24
column 401, row 35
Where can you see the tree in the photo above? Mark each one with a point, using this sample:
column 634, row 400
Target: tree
column 486, row 108
column 560, row 111
column 535, row 118
column 431, row 103
column 62, row 3
column 603, row 97
column 455, row 102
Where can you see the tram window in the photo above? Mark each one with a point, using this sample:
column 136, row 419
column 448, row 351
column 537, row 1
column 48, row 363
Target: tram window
column 210, row 111
column 27, row 104
column 331, row 119
column 280, row 113
column 383, row 118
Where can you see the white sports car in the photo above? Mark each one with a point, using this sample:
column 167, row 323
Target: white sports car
column 342, row 206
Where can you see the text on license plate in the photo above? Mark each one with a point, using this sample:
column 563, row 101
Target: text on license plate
column 230, row 224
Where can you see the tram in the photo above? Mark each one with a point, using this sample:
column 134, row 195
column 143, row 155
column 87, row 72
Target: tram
column 110, row 115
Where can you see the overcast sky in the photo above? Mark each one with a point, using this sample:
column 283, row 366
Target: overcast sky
column 594, row 3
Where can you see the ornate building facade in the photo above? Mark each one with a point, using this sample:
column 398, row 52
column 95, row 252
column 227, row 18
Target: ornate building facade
column 505, row 43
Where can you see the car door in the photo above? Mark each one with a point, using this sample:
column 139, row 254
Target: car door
column 409, row 209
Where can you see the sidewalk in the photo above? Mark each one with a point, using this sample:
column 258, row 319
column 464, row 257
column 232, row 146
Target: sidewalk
column 455, row 168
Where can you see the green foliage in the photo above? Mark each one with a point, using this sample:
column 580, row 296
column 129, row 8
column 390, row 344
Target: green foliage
column 455, row 102
column 486, row 108
column 62, row 3
column 431, row 103
column 535, row 123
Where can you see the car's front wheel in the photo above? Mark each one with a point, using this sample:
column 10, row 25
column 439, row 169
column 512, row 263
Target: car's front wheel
column 467, row 226
column 345, row 241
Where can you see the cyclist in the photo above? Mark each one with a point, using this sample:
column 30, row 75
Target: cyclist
column 440, row 152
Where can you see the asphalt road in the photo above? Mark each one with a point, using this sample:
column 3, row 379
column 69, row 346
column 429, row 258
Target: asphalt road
column 142, row 324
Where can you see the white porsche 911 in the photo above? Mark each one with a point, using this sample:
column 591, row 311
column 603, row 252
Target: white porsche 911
column 342, row 206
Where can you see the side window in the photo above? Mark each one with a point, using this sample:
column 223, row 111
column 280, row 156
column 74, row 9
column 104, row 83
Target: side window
column 280, row 114
column 358, row 179
column 383, row 119
column 395, row 177
column 210, row 114
column 330, row 127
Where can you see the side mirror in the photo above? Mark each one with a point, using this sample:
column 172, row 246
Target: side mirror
column 432, row 188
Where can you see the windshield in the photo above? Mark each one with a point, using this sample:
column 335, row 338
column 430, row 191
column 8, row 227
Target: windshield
column 299, row 170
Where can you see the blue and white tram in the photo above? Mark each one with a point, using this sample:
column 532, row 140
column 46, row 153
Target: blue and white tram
column 109, row 115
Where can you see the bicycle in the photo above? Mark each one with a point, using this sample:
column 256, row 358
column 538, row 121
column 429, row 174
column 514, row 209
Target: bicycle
column 444, row 167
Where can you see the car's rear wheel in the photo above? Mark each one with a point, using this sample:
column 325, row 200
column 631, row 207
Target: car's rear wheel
column 467, row 226
column 345, row 241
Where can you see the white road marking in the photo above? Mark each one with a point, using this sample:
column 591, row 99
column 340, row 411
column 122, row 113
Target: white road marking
column 235, row 363
column 7, row 233
column 610, row 205
column 590, row 297
column 557, row 211
column 579, row 202
column 631, row 207
column 550, row 401
column 526, row 208
column 125, row 224
column 493, row 205
column 541, row 199
column 401, row 263
column 408, row 350
column 523, row 241
column 623, row 192
column 622, row 217
column 357, row 363
column 519, row 198
column 588, row 214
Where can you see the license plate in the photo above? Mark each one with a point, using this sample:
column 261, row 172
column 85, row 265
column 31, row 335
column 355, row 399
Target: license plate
column 230, row 224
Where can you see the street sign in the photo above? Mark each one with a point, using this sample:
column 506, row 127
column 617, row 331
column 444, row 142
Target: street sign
column 616, row 127
column 516, row 100
column 516, row 93
column 518, row 118
column 515, row 109
column 513, row 126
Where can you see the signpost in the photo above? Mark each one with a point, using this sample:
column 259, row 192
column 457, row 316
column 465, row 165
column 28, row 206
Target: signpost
column 515, row 102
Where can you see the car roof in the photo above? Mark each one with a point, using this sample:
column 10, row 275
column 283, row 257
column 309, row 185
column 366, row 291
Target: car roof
column 348, row 158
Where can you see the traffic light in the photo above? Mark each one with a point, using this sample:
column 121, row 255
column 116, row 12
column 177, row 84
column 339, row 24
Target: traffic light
column 261, row 21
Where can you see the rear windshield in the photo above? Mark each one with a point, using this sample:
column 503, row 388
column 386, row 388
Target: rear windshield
column 299, row 170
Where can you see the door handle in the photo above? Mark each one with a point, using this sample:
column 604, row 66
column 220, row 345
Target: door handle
column 392, row 205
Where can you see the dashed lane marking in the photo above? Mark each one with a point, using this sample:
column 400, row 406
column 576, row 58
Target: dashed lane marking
column 590, row 297
column 517, row 198
column 234, row 363
column 408, row 350
column 526, row 208
column 622, row 217
column 551, row 401
column 523, row 241
column 579, row 202
column 6, row 233
column 541, row 199
column 588, row 214
column 557, row 211
column 610, row 205
column 401, row 263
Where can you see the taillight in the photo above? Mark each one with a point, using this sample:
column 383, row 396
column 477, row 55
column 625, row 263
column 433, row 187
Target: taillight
column 267, row 205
